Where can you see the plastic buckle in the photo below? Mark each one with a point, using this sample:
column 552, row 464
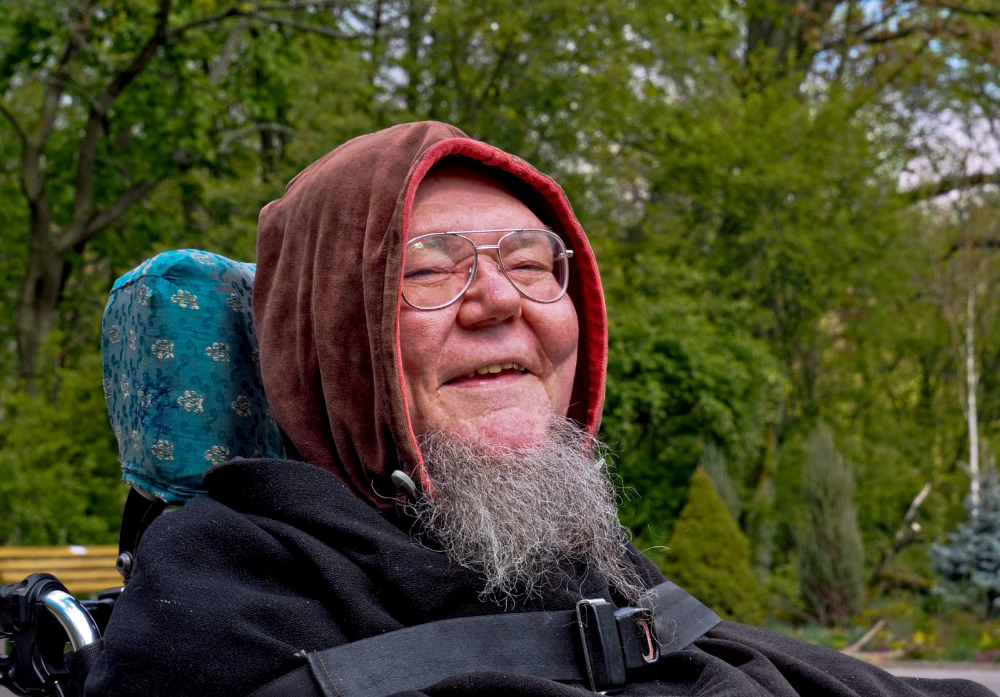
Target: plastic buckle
column 637, row 632
column 601, row 644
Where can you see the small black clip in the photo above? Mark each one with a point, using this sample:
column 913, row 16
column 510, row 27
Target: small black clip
column 602, row 648
column 638, row 636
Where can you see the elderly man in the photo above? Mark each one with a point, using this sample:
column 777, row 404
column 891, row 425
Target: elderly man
column 433, row 346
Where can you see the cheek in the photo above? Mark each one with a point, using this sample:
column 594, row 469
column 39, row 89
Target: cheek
column 420, row 342
column 560, row 336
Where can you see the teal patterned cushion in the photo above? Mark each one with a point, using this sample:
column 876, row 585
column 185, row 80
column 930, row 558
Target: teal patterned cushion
column 181, row 372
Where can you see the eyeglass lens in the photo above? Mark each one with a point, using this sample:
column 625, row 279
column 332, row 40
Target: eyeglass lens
column 440, row 267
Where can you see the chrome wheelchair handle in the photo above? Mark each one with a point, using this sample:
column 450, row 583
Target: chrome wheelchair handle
column 29, row 612
column 79, row 626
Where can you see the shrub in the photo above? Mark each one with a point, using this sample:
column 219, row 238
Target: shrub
column 970, row 561
column 710, row 557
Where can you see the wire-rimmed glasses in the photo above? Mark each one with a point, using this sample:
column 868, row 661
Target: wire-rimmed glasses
column 441, row 266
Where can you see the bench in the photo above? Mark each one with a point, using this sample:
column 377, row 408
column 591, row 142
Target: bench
column 83, row 570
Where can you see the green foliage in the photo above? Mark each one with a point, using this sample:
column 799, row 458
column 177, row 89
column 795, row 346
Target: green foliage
column 709, row 556
column 737, row 166
column 829, row 540
column 681, row 372
column 60, row 482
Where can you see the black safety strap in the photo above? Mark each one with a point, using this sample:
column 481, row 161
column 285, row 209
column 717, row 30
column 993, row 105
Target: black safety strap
column 79, row 663
column 593, row 644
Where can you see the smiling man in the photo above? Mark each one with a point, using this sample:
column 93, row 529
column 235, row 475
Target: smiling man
column 433, row 345
column 488, row 340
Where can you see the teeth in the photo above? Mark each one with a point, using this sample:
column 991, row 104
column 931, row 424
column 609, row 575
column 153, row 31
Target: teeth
column 495, row 368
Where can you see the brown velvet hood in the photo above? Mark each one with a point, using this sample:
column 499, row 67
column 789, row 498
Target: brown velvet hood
column 326, row 301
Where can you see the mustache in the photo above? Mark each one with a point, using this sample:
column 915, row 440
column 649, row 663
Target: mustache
column 523, row 517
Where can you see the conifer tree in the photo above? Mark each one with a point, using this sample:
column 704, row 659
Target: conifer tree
column 709, row 556
column 969, row 562
column 830, row 552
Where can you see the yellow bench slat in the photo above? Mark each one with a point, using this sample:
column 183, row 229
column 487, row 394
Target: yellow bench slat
column 74, row 563
column 61, row 551
column 81, row 569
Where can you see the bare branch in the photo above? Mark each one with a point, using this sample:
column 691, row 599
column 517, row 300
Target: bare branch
column 86, row 153
column 109, row 215
column 963, row 10
column 294, row 6
column 57, row 84
column 218, row 70
column 258, row 13
column 125, row 77
column 908, row 532
column 22, row 136
column 234, row 11
column 949, row 184
column 866, row 637
column 228, row 138
column 498, row 67
column 302, row 26
column 880, row 38
column 863, row 29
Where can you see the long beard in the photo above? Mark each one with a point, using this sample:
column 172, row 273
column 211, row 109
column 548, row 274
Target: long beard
column 525, row 517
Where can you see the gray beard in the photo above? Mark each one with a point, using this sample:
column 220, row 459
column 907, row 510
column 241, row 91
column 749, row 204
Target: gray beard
column 525, row 517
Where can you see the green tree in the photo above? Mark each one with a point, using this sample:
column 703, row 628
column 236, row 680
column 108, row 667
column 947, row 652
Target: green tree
column 709, row 556
column 107, row 99
column 969, row 562
column 829, row 547
column 61, row 482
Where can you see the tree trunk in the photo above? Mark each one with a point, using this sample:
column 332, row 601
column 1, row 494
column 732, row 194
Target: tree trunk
column 40, row 293
column 972, row 388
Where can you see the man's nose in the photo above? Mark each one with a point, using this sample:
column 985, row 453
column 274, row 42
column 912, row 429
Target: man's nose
column 491, row 297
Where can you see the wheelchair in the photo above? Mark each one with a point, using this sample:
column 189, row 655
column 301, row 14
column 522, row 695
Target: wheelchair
column 184, row 392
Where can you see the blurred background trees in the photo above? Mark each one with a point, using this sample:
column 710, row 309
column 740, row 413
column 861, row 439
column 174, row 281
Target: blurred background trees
column 793, row 203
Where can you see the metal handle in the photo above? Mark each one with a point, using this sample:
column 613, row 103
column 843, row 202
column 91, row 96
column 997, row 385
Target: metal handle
column 79, row 626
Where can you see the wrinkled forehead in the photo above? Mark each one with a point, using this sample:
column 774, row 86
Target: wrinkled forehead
column 459, row 193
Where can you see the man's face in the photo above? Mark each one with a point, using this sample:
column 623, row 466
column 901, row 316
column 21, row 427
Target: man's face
column 490, row 326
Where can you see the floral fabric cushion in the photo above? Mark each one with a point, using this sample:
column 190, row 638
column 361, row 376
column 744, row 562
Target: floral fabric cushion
column 181, row 372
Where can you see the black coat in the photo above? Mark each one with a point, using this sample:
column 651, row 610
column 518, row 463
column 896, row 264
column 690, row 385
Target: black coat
column 282, row 558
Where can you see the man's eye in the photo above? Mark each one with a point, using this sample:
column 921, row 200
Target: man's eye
column 429, row 273
column 535, row 266
column 529, row 264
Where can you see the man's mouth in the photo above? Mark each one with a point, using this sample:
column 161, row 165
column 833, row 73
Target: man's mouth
column 492, row 370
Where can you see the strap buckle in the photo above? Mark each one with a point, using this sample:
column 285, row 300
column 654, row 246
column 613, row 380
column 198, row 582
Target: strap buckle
column 614, row 642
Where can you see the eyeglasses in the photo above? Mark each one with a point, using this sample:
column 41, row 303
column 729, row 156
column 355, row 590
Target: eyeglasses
column 441, row 266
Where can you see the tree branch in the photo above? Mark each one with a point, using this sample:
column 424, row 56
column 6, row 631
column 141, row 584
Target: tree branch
column 949, row 184
column 300, row 6
column 228, row 138
column 125, row 77
column 963, row 10
column 258, row 13
column 302, row 26
column 86, row 153
column 109, row 215
column 234, row 11
column 907, row 533
column 57, row 84
column 22, row 136
column 498, row 67
column 228, row 54
column 865, row 638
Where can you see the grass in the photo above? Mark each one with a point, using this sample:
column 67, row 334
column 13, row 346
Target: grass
column 919, row 631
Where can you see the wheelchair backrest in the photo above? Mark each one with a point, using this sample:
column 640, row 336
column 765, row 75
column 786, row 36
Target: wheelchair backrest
column 182, row 372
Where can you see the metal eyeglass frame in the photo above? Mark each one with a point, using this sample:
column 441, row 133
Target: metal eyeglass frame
column 500, row 266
